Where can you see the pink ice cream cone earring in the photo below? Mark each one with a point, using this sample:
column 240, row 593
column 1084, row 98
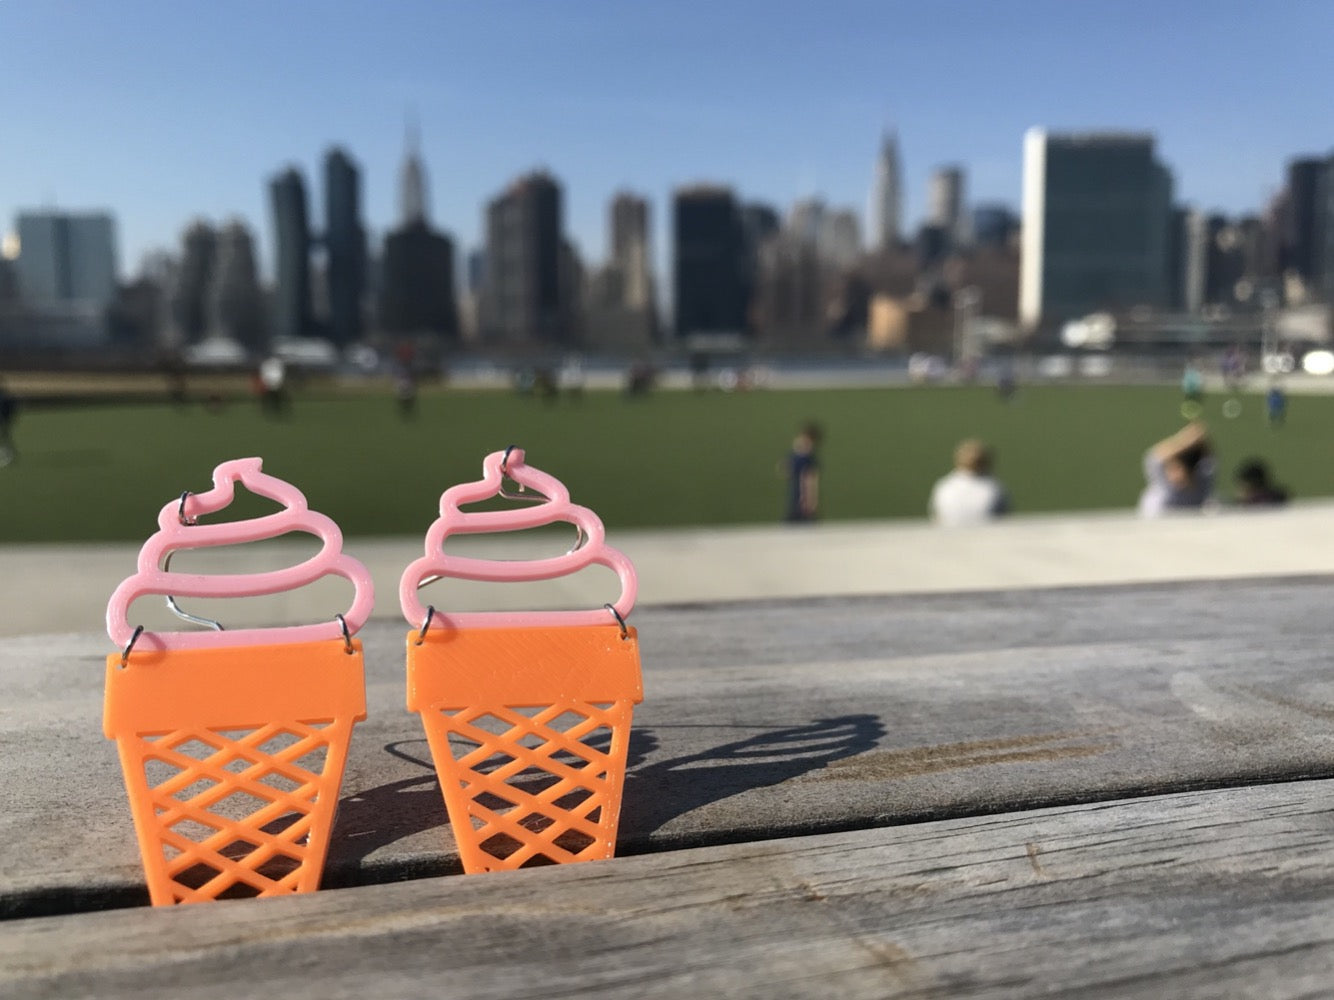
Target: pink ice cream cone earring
column 232, row 743
column 527, row 713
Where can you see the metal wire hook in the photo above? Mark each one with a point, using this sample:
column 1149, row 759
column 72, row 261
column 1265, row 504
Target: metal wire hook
column 523, row 495
column 180, row 510
column 580, row 537
column 125, row 653
column 347, row 636
column 430, row 613
column 182, row 614
column 625, row 632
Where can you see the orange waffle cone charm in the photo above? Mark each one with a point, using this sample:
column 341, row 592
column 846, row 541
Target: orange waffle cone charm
column 527, row 714
column 232, row 761
column 233, row 743
column 529, row 729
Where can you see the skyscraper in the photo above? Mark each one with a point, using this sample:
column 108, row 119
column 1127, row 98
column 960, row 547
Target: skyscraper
column 291, row 221
column 947, row 209
column 630, row 256
column 713, row 274
column 412, row 198
column 345, row 245
column 1195, row 275
column 886, row 196
column 1301, row 223
column 9, row 282
column 522, row 298
column 788, row 292
column 629, row 225
column 417, row 283
column 1177, row 258
column 1097, row 212
column 1324, row 232
column 833, row 234
column 994, row 225
column 619, row 312
column 417, row 271
column 841, row 238
column 758, row 223
column 66, row 258
column 236, row 308
column 806, row 221
column 189, row 298
column 1227, row 260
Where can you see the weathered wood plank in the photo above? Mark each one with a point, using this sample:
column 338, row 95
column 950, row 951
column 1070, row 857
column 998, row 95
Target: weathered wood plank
column 772, row 718
column 1226, row 893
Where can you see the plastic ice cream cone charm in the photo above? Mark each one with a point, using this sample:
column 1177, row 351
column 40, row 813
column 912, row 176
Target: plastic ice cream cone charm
column 233, row 743
column 527, row 714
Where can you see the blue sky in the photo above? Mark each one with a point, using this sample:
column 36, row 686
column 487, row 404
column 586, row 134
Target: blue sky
column 162, row 111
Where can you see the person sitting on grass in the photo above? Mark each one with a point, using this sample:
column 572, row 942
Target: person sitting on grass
column 969, row 494
column 1178, row 472
column 1255, row 488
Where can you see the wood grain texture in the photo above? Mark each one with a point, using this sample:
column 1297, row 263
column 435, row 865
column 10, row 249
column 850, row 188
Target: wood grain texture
column 1226, row 893
column 768, row 719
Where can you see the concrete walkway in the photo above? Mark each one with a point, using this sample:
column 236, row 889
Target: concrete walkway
column 51, row 588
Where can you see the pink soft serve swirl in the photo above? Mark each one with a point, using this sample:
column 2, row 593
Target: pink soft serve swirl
column 556, row 508
column 174, row 536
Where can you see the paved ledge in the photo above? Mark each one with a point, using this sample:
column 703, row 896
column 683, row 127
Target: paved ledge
column 54, row 588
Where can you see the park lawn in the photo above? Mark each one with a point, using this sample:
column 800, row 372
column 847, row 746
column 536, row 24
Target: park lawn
column 102, row 472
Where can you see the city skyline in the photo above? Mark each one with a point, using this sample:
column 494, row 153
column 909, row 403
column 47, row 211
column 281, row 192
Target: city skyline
column 780, row 101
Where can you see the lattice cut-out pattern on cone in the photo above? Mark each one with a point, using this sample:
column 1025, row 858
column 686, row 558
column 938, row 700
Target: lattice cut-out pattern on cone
column 526, row 790
column 529, row 729
column 232, row 760
column 236, row 814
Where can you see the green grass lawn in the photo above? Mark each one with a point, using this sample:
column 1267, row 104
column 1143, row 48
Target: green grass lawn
column 674, row 458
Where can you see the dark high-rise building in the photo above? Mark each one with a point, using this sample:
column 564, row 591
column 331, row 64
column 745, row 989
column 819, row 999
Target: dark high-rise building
column 760, row 226
column 758, row 223
column 476, row 271
column 345, row 246
column 417, row 283
column 994, row 225
column 9, row 282
column 713, row 270
column 1097, row 210
column 1226, row 260
column 1159, row 211
column 417, row 268
column 1254, row 248
column 291, row 221
column 522, row 300
column 189, row 301
column 931, row 245
column 1325, row 231
column 1301, row 224
column 1178, row 242
column 788, row 297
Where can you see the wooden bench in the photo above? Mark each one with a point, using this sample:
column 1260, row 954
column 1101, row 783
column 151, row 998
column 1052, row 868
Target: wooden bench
column 1110, row 791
